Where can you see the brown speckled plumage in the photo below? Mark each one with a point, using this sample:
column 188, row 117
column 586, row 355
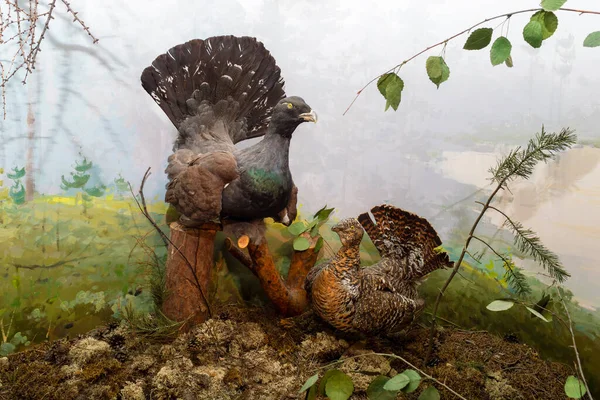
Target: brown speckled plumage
column 382, row 298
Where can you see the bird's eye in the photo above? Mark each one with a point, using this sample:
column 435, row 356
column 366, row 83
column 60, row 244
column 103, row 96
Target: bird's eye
column 290, row 105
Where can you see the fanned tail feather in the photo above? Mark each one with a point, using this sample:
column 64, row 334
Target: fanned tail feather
column 400, row 234
column 230, row 79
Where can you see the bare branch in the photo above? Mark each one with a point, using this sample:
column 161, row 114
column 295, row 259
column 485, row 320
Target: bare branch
column 21, row 23
column 77, row 19
column 50, row 266
column 575, row 344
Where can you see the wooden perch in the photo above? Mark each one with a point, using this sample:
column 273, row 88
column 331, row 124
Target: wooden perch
column 289, row 296
column 188, row 272
column 190, row 261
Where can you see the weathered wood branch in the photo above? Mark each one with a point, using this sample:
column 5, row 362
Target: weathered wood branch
column 288, row 296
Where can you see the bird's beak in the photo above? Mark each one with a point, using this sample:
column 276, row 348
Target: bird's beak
column 309, row 116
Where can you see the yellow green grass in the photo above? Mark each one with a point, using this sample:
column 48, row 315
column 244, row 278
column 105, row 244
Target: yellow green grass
column 65, row 268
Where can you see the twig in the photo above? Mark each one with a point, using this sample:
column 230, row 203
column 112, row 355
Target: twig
column 77, row 19
column 143, row 208
column 34, row 51
column 491, row 248
column 239, row 254
column 50, row 266
column 398, row 358
column 445, row 41
column 575, row 344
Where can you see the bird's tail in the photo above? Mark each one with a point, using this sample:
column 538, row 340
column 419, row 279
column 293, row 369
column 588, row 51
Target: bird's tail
column 234, row 79
column 400, row 234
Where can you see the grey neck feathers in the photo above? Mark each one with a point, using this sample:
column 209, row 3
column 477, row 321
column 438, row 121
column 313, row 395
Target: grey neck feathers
column 282, row 128
column 276, row 145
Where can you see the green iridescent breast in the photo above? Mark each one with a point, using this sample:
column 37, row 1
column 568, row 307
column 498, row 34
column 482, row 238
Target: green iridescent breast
column 265, row 181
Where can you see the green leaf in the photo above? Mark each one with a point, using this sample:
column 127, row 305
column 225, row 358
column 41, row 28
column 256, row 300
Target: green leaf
column 433, row 65
column 415, row 380
column 301, row 243
column 314, row 231
column 309, row 382
column 533, row 33
column 437, row 70
column 537, row 314
column 339, row 386
column 509, row 62
column 574, row 388
column 375, row 391
column 325, row 206
column 382, row 83
column 592, row 40
column 549, row 22
column 312, row 393
column 542, row 303
column 431, row 393
column 500, row 50
column 552, row 5
column 319, row 244
column 297, row 228
column 324, row 380
column 478, row 39
column 6, row 349
column 391, row 86
column 322, row 215
column 397, row 382
column 324, row 212
column 500, row 305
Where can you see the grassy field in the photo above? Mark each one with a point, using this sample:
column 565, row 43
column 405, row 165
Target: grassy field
column 67, row 266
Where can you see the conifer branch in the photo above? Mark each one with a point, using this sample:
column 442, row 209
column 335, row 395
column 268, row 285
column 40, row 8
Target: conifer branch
column 529, row 243
column 513, row 275
column 518, row 163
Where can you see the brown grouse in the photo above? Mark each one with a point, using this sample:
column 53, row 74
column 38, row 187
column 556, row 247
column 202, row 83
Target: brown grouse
column 380, row 299
column 218, row 92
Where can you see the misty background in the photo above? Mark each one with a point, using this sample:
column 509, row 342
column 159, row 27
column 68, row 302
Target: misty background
column 433, row 153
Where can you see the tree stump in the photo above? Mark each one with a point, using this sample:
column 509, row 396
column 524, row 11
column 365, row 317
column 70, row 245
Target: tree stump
column 189, row 265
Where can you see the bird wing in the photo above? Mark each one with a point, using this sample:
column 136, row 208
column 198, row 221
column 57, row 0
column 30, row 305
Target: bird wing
column 217, row 91
column 383, row 306
column 399, row 234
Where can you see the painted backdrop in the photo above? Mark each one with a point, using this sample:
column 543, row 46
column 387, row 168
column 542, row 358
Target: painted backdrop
column 73, row 244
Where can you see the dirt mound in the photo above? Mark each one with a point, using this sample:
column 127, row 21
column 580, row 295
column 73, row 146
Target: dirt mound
column 253, row 354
